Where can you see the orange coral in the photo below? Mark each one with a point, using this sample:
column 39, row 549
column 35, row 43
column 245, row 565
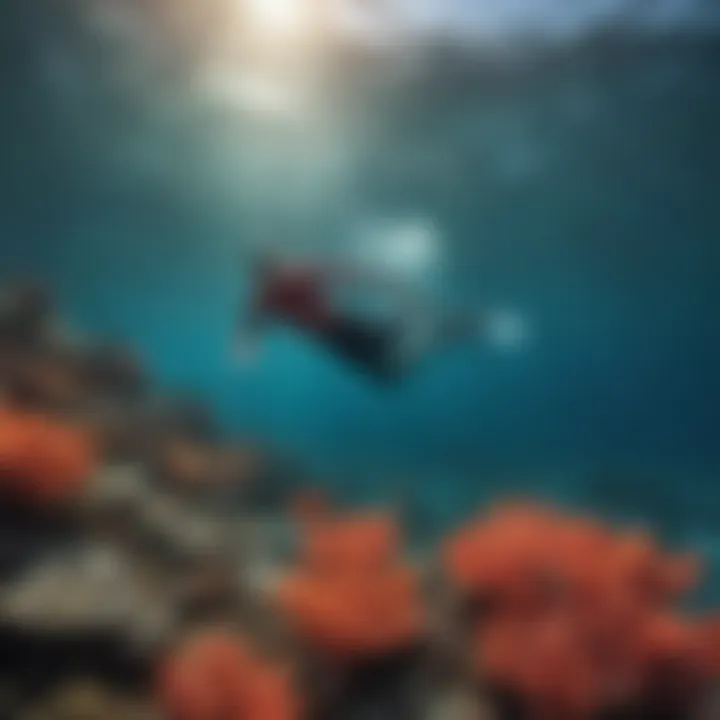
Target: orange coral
column 583, row 618
column 216, row 675
column 352, row 597
column 544, row 661
column 43, row 461
column 351, row 545
column 707, row 646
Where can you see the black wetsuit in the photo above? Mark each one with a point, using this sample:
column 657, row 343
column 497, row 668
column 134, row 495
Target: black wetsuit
column 300, row 298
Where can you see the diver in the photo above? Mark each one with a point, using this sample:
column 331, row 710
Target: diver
column 303, row 298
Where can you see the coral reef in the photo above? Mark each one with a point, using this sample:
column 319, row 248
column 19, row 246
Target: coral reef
column 43, row 461
column 575, row 619
column 217, row 675
column 353, row 596
column 151, row 568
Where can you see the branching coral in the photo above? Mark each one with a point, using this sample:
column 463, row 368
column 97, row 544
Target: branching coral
column 578, row 618
column 352, row 596
column 217, row 675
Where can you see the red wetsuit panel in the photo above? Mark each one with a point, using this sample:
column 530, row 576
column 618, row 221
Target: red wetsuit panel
column 297, row 297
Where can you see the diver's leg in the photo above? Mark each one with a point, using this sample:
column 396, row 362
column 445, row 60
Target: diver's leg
column 424, row 330
column 424, row 336
column 365, row 344
column 388, row 351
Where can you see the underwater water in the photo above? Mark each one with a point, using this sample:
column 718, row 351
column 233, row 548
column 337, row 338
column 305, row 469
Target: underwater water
column 581, row 190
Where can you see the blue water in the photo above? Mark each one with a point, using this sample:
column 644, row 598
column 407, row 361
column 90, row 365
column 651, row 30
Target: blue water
column 582, row 191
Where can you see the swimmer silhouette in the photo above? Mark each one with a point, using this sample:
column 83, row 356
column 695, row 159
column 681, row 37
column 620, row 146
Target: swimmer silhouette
column 302, row 297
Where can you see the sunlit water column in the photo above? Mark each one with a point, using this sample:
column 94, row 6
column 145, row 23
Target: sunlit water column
column 282, row 145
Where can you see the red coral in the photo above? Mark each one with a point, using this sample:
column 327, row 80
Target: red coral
column 340, row 546
column 216, row 675
column 352, row 597
column 583, row 618
column 43, row 461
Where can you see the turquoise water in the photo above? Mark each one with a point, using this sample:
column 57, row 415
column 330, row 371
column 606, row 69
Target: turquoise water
column 580, row 190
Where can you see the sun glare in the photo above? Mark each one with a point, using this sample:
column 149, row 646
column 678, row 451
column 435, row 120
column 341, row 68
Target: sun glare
column 277, row 17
